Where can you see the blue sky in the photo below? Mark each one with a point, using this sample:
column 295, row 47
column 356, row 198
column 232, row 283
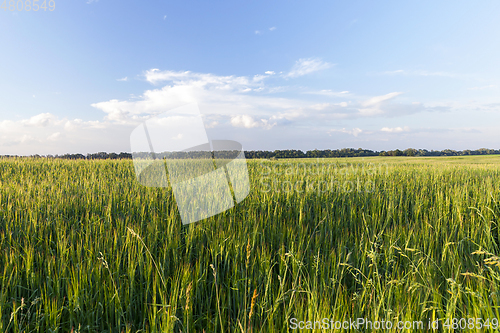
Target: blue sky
column 271, row 74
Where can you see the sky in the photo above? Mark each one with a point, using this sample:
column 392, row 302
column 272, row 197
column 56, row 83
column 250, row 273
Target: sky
column 290, row 74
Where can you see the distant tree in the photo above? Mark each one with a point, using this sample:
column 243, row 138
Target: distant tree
column 410, row 152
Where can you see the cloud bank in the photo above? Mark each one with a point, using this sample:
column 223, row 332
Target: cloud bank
column 259, row 110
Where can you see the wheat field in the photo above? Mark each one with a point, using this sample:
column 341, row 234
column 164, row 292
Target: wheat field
column 85, row 248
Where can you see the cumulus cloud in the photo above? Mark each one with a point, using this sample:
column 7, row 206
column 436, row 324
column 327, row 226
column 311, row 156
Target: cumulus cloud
column 124, row 79
column 306, row 66
column 246, row 102
column 354, row 132
column 156, row 76
column 222, row 95
column 245, row 121
column 40, row 120
column 395, row 129
column 46, row 133
column 240, row 104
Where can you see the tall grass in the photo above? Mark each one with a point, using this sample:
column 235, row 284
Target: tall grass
column 85, row 248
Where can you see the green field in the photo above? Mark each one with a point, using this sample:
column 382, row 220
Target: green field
column 85, row 248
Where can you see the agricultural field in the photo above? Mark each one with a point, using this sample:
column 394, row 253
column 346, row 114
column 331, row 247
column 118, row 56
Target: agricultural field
column 85, row 248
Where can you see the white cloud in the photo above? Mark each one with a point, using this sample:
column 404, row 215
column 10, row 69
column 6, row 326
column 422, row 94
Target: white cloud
column 272, row 28
column 164, row 17
column 46, row 133
column 40, row 120
column 247, row 121
column 222, row 95
column 246, row 102
column 258, row 32
column 395, row 129
column 277, row 89
column 375, row 105
column 228, row 103
column 124, row 79
column 307, row 66
column 54, row 136
column 327, row 92
column 27, row 138
column 212, row 124
column 354, row 132
column 156, row 76
column 418, row 73
column 244, row 121
column 325, row 106
column 379, row 99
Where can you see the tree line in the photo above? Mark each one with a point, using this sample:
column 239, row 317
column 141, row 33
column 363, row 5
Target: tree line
column 351, row 152
column 288, row 153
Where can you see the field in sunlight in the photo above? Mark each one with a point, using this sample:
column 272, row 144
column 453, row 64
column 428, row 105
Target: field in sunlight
column 84, row 247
